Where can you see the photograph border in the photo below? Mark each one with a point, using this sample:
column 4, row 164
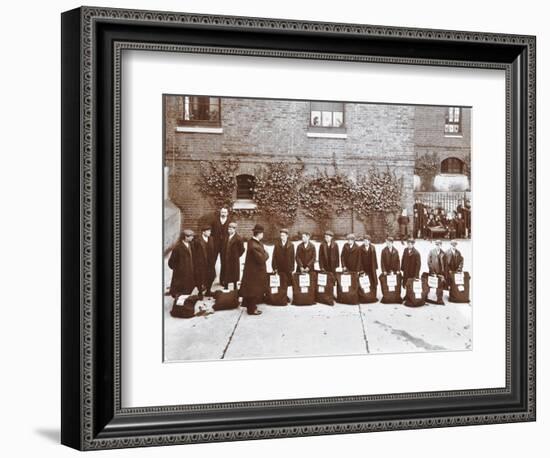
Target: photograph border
column 93, row 40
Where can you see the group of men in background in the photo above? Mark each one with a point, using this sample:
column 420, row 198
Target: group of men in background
column 193, row 259
column 457, row 223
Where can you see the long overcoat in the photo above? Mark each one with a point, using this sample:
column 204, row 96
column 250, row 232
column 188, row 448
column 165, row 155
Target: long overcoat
column 231, row 254
column 183, row 275
column 219, row 234
column 390, row 260
column 329, row 258
column 369, row 263
column 204, row 261
column 282, row 260
column 437, row 262
column 254, row 282
column 410, row 264
column 351, row 258
column 305, row 257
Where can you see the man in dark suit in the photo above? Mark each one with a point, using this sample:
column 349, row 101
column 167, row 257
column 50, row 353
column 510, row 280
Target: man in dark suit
column 453, row 260
column 220, row 225
column 254, row 282
column 231, row 254
column 329, row 258
column 389, row 258
column 369, row 261
column 305, row 255
column 351, row 255
column 282, row 261
column 181, row 263
column 410, row 262
column 204, row 262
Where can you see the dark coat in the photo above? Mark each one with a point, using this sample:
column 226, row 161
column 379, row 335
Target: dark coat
column 204, row 261
column 455, row 261
column 283, row 258
column 437, row 262
column 183, row 275
column 305, row 257
column 351, row 258
column 390, row 260
column 369, row 263
column 219, row 233
column 231, row 253
column 329, row 258
column 254, row 281
column 410, row 264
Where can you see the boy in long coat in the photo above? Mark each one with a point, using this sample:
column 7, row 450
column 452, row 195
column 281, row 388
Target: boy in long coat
column 389, row 258
column 329, row 258
column 305, row 255
column 410, row 262
column 254, row 282
column 351, row 255
column 453, row 260
column 437, row 262
column 181, row 263
column 220, row 226
column 369, row 261
column 231, row 257
column 282, row 261
column 204, row 262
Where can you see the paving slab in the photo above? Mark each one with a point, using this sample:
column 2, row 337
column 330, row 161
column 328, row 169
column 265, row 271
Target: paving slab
column 395, row 328
column 316, row 330
column 198, row 338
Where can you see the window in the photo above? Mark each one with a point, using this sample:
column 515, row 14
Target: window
column 453, row 121
column 327, row 114
column 245, row 187
column 452, row 165
column 201, row 110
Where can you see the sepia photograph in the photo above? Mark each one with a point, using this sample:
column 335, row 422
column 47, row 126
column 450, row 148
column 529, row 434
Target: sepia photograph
column 301, row 228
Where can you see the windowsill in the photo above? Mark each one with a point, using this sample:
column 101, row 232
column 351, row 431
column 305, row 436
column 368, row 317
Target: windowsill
column 200, row 130
column 339, row 135
column 244, row 204
column 454, row 135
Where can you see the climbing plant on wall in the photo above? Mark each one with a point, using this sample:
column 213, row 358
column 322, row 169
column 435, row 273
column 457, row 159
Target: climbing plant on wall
column 325, row 195
column 276, row 192
column 377, row 192
column 217, row 181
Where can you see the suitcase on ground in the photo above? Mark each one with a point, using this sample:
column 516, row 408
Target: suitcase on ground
column 184, row 306
column 226, row 299
column 459, row 287
column 303, row 288
column 436, row 285
column 416, row 291
column 324, row 292
column 391, row 288
column 277, row 289
column 367, row 289
column 347, row 286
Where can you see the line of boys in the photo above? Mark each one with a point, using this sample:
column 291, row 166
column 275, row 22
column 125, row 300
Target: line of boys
column 193, row 260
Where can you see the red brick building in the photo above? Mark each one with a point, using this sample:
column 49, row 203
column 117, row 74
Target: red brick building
column 354, row 137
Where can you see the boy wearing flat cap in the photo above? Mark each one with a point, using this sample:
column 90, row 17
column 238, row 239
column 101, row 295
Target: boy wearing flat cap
column 305, row 255
column 253, row 287
column 351, row 255
column 437, row 261
column 410, row 263
column 453, row 259
column 390, row 258
column 329, row 258
column 282, row 261
column 231, row 254
column 369, row 261
column 182, row 265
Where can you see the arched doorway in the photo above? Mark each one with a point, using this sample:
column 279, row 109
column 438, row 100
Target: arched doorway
column 452, row 165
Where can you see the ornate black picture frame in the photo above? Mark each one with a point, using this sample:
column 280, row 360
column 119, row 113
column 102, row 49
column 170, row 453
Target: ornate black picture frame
column 92, row 42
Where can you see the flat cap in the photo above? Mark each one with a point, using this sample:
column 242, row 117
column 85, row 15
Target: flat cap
column 389, row 239
column 329, row 233
column 284, row 229
column 454, row 242
column 188, row 232
column 258, row 228
column 351, row 236
column 233, row 225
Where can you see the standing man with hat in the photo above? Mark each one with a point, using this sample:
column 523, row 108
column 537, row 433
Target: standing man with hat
column 205, row 259
column 329, row 258
column 437, row 262
column 231, row 254
column 351, row 255
column 181, row 263
column 453, row 259
column 282, row 261
column 389, row 258
column 254, row 282
column 410, row 262
column 369, row 261
column 305, row 254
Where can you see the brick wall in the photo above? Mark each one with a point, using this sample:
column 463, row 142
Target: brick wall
column 258, row 131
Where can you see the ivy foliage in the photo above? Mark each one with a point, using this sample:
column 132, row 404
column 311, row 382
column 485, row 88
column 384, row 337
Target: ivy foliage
column 377, row 192
column 217, row 181
column 427, row 165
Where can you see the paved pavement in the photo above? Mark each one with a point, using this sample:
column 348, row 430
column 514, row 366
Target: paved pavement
column 319, row 330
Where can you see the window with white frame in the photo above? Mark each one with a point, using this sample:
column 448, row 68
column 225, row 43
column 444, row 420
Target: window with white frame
column 326, row 114
column 453, row 121
column 201, row 110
